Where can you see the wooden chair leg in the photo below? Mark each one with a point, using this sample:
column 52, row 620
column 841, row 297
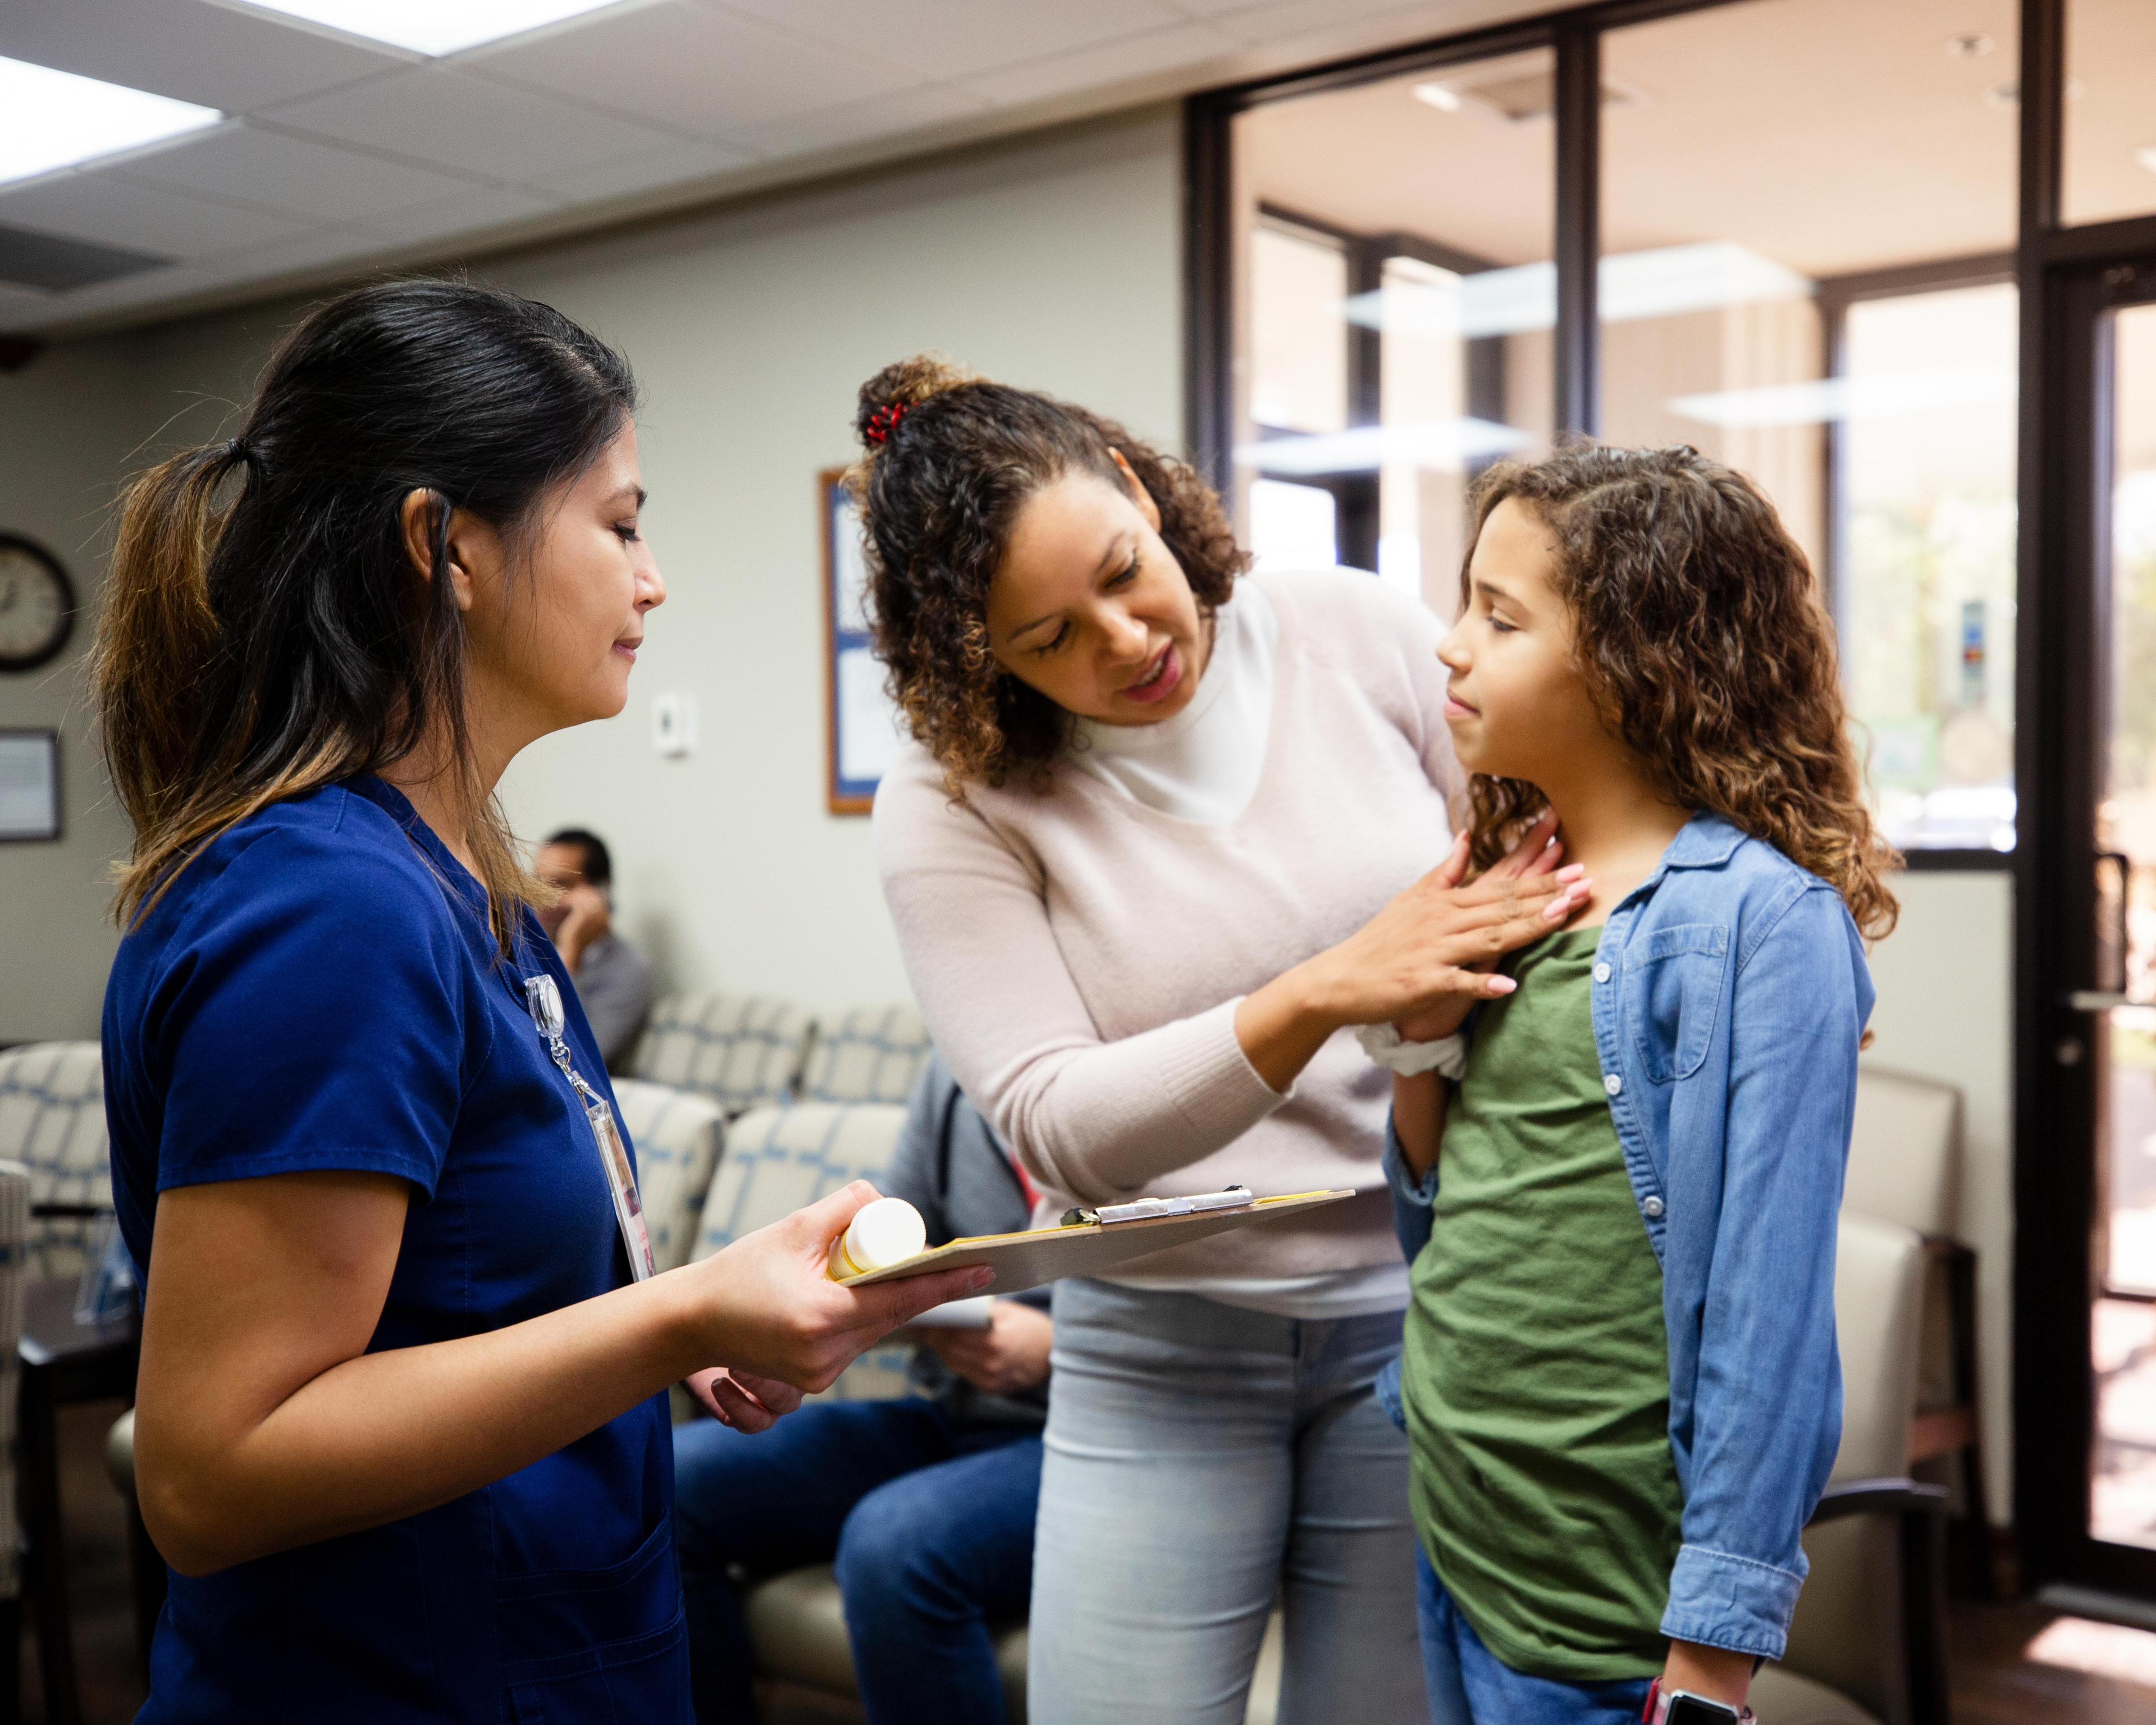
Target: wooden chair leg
column 1972, row 1531
column 44, row 1579
column 11, row 1661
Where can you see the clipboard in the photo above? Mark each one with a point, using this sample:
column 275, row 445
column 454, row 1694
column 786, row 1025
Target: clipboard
column 1044, row 1255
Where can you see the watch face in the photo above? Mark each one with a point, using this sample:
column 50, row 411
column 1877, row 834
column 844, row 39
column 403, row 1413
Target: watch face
column 1691, row 1710
column 37, row 605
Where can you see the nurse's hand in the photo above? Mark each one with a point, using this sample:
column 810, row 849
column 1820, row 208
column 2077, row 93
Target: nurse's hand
column 768, row 1305
column 742, row 1399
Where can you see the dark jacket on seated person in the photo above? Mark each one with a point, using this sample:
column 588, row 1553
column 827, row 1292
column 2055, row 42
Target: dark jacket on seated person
column 951, row 1166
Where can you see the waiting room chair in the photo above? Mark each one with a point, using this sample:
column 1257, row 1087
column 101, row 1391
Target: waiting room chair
column 741, row 1050
column 679, row 1136
column 1905, row 1167
column 873, row 1053
column 51, row 1122
column 1868, row 1646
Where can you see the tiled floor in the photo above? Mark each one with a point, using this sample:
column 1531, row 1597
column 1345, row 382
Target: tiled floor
column 1996, row 1681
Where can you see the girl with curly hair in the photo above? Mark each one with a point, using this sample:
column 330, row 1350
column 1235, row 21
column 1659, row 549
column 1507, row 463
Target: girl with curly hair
column 1620, row 1380
column 1156, row 841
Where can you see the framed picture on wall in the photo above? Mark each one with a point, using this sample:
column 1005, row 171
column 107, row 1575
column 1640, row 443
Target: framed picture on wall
column 29, row 785
column 863, row 722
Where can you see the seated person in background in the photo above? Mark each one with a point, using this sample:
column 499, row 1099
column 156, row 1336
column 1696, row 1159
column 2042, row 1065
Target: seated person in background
column 926, row 1503
column 612, row 978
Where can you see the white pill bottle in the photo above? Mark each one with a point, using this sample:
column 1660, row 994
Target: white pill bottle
column 885, row 1232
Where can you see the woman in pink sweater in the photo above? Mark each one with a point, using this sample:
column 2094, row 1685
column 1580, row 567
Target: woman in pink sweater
column 1161, row 835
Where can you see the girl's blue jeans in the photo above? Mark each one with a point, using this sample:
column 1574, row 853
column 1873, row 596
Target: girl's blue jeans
column 1469, row 1686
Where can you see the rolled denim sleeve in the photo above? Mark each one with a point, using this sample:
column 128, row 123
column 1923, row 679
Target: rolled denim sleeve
column 1413, row 1199
column 1767, row 1415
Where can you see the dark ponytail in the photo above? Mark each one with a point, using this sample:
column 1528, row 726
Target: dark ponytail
column 264, row 631
column 950, row 460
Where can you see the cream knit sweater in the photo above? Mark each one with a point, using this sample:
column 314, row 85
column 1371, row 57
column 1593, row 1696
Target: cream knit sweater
column 1080, row 956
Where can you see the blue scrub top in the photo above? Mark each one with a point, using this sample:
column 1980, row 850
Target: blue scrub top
column 319, row 989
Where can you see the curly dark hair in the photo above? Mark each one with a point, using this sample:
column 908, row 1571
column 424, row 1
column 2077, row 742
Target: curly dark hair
column 949, row 459
column 1699, row 630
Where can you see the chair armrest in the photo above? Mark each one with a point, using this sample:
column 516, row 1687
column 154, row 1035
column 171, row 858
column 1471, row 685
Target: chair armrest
column 1880, row 1497
column 75, row 1212
column 1921, row 1511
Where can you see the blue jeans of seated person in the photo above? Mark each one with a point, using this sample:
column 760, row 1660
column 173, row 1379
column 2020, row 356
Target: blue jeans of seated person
column 1469, row 1686
column 930, row 1522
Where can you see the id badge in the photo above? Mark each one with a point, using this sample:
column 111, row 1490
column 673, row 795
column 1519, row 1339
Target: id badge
column 545, row 1000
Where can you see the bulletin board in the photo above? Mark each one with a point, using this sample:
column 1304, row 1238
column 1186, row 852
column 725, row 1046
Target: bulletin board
column 862, row 724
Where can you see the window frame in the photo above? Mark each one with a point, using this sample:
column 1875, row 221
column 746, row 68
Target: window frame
column 1575, row 37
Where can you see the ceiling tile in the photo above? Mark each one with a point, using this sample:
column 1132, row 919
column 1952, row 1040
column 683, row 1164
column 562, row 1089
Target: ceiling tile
column 705, row 72
column 472, row 212
column 949, row 38
column 189, row 48
column 880, row 116
column 675, row 165
column 472, row 123
column 91, row 205
column 1292, row 20
column 1158, row 51
column 293, row 175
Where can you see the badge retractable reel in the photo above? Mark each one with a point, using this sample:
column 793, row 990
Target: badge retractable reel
column 545, row 1000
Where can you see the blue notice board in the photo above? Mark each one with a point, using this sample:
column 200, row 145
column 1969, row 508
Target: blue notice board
column 863, row 722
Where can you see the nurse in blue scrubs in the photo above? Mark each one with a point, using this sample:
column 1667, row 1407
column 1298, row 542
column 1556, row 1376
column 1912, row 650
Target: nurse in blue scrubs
column 402, row 1429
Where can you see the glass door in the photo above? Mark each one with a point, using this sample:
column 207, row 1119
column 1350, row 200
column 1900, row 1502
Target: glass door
column 2122, row 1006
column 2085, row 1202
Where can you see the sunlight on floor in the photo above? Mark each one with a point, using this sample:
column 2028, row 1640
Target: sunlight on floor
column 2101, row 1649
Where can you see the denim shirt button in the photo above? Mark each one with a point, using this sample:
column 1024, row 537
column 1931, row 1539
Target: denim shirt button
column 1601, row 973
column 1613, row 1083
column 1652, row 1209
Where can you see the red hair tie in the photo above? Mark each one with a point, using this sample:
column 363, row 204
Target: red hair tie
column 882, row 423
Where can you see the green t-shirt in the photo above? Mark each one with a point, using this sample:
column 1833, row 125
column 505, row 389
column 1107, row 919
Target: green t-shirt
column 1537, row 1374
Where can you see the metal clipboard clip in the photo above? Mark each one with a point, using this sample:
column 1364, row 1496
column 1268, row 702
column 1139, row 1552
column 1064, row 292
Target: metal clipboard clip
column 1140, row 1209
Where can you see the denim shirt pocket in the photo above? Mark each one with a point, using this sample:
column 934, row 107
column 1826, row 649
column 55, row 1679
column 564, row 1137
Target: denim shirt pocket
column 1673, row 995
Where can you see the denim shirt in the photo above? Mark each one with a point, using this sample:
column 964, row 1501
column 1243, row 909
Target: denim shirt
column 1730, row 996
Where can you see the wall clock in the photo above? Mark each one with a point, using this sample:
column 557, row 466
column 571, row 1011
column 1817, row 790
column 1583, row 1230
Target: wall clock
column 36, row 604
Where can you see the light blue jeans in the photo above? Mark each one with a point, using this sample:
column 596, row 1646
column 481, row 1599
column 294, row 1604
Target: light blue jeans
column 1469, row 1686
column 1202, row 1463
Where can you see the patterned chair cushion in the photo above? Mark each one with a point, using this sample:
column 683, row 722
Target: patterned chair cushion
column 738, row 1050
column 778, row 1159
column 678, row 1136
column 52, row 1120
column 873, row 1053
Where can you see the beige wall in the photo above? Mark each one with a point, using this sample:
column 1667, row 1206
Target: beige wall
column 1945, row 1011
column 1055, row 261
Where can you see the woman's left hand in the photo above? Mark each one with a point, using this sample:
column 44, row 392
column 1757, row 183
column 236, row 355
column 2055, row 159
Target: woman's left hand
column 1537, row 853
column 742, row 1399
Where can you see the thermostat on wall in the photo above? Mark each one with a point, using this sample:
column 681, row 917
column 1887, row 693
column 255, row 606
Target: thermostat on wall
column 674, row 723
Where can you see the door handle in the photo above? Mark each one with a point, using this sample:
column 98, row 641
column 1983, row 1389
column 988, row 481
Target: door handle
column 2104, row 999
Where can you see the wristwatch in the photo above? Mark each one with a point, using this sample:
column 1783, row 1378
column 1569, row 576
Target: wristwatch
column 1680, row 1706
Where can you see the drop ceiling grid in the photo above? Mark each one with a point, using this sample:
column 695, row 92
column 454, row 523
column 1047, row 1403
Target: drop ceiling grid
column 336, row 151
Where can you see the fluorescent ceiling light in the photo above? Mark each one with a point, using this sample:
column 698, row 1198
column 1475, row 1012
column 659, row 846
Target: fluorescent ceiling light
column 431, row 27
column 1364, row 449
column 1630, row 286
column 51, row 119
column 1881, row 395
column 1439, row 96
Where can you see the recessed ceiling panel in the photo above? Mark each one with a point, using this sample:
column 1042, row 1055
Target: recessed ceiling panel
column 53, row 263
column 294, row 175
column 475, row 124
column 948, row 38
column 189, row 48
column 676, row 64
column 113, row 211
